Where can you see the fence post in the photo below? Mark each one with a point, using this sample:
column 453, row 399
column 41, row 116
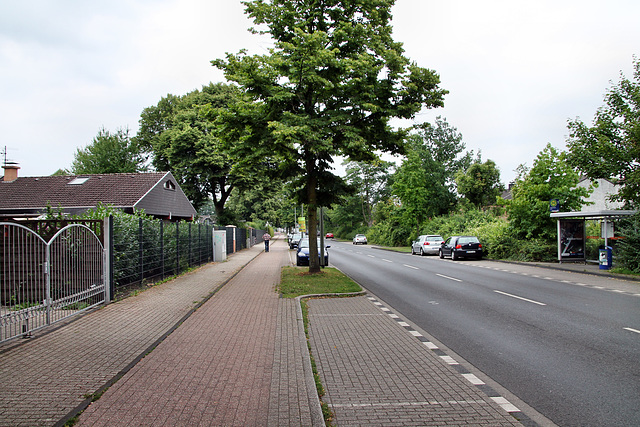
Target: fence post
column 190, row 248
column 162, row 246
column 177, row 249
column 109, row 290
column 140, row 250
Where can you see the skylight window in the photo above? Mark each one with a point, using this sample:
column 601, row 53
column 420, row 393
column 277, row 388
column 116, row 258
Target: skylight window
column 169, row 185
column 79, row 181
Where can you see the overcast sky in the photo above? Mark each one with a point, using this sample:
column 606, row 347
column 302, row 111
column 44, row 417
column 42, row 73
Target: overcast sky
column 516, row 70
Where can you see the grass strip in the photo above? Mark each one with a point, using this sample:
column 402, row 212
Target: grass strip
column 297, row 282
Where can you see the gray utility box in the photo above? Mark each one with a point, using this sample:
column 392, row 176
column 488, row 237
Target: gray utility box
column 219, row 245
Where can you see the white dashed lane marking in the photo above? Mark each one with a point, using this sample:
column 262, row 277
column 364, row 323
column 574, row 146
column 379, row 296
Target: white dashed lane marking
column 447, row 277
column 520, row 298
column 505, row 404
column 567, row 282
column 449, row 360
column 473, row 379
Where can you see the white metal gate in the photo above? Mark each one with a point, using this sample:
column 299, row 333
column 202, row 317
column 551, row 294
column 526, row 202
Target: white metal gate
column 44, row 282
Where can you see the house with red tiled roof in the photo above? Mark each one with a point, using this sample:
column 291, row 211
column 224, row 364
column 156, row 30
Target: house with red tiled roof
column 157, row 193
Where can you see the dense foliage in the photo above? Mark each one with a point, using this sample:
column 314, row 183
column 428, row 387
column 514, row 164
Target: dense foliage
column 627, row 248
column 180, row 134
column 610, row 148
column 329, row 87
column 424, row 181
column 480, row 183
column 550, row 178
column 109, row 153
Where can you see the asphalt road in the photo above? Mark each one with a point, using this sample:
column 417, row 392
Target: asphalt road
column 567, row 344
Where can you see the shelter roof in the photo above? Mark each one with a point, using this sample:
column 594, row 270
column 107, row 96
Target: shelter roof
column 604, row 214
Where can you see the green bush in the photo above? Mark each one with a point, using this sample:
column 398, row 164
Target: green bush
column 495, row 233
column 391, row 232
column 628, row 253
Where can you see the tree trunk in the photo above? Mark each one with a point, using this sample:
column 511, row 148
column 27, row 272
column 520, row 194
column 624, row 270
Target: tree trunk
column 312, row 218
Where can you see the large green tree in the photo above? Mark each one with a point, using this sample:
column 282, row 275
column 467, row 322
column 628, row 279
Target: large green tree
column 329, row 87
column 181, row 133
column 370, row 181
column 551, row 177
column 109, row 153
column 424, row 182
column 610, row 148
column 480, row 183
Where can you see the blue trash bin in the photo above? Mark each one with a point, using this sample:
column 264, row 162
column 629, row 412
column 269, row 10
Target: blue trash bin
column 605, row 259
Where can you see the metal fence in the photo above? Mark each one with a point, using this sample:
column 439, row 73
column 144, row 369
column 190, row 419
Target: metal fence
column 50, row 270
column 42, row 282
column 148, row 250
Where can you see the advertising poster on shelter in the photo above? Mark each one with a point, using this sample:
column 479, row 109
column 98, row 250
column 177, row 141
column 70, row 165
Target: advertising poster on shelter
column 572, row 243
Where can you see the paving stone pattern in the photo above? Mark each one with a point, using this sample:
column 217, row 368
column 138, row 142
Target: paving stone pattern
column 219, row 347
column 228, row 364
column 377, row 374
column 46, row 378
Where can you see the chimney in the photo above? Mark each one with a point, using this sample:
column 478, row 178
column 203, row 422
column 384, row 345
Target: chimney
column 10, row 171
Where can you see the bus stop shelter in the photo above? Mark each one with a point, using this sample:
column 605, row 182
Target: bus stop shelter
column 572, row 231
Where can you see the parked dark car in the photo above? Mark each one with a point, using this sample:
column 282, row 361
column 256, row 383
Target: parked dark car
column 458, row 247
column 302, row 257
column 295, row 239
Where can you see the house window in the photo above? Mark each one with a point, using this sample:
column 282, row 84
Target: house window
column 79, row 181
column 169, row 185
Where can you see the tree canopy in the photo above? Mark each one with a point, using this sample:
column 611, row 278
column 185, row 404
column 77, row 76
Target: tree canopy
column 424, row 181
column 370, row 181
column 109, row 153
column 181, row 133
column 480, row 183
column 328, row 88
column 610, row 148
column 551, row 177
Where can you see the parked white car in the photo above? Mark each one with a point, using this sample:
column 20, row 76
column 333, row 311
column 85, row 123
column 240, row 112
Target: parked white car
column 360, row 239
column 428, row 244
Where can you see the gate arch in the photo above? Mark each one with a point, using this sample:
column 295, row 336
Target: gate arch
column 44, row 282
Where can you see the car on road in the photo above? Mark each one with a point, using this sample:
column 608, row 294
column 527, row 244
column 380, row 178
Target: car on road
column 428, row 244
column 458, row 247
column 295, row 239
column 302, row 256
column 329, row 236
column 360, row 239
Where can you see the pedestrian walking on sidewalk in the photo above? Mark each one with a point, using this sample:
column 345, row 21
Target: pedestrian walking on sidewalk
column 266, row 237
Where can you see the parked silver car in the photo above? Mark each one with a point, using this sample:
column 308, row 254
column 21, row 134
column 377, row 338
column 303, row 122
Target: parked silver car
column 427, row 244
column 360, row 239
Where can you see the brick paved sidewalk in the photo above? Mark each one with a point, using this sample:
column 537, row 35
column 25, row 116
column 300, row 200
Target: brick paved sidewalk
column 376, row 373
column 238, row 360
column 44, row 379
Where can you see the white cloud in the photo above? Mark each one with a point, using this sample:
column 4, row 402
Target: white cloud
column 516, row 70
